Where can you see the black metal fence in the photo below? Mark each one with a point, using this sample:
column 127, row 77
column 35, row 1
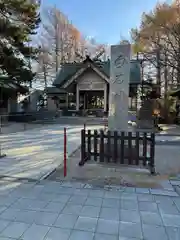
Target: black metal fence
column 113, row 147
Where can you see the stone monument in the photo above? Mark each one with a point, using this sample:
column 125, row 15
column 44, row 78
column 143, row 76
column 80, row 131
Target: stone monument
column 145, row 116
column 119, row 95
column 119, row 87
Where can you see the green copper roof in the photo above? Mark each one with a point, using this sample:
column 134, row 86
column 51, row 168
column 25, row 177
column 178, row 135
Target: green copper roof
column 54, row 90
column 69, row 69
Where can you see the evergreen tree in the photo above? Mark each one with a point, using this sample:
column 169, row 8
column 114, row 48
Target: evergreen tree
column 19, row 20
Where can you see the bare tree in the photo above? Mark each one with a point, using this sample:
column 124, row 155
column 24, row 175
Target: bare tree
column 63, row 37
column 60, row 42
column 160, row 33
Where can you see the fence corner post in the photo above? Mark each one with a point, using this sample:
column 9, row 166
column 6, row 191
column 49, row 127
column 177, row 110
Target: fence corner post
column 1, row 154
column 83, row 145
column 152, row 154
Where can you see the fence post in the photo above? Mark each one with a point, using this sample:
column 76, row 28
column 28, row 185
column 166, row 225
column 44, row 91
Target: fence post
column 101, row 147
column 109, row 150
column 152, row 154
column 144, row 148
column 65, row 149
column 89, row 143
column 83, row 148
column 115, row 146
column 130, row 148
column 137, row 148
column 1, row 155
column 0, row 124
column 122, row 138
column 95, row 145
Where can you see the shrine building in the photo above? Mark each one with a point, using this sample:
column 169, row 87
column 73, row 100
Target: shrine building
column 84, row 86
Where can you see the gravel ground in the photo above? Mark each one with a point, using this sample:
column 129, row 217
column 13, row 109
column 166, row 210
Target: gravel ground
column 99, row 175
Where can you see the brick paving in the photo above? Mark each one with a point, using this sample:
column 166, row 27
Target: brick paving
column 74, row 211
column 49, row 210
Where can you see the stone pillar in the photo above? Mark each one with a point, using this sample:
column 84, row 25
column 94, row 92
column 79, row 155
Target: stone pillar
column 51, row 106
column 119, row 87
column 105, row 97
column 77, row 98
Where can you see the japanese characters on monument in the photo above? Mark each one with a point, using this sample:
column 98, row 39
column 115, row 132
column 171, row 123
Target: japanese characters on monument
column 119, row 87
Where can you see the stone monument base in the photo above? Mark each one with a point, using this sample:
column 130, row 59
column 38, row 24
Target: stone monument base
column 145, row 124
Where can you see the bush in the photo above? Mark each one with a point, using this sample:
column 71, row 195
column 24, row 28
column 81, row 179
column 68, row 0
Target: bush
column 167, row 109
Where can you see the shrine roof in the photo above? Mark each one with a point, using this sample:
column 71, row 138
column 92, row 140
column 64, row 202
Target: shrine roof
column 68, row 70
column 54, row 90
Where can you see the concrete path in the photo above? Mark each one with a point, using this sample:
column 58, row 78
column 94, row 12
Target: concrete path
column 170, row 129
column 76, row 211
column 167, row 140
column 12, row 127
column 35, row 153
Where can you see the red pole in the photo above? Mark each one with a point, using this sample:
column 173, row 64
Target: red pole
column 65, row 160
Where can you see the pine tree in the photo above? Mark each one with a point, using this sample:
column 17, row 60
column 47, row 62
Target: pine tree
column 19, row 20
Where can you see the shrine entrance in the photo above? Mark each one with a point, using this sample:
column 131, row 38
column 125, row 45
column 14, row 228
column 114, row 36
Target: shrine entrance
column 92, row 100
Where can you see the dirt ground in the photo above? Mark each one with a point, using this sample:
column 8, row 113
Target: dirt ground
column 103, row 174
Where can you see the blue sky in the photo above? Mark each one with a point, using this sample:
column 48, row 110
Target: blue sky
column 107, row 20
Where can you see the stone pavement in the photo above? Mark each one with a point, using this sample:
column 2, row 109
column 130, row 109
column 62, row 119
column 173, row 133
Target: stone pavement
column 170, row 129
column 35, row 153
column 75, row 211
column 103, row 174
column 12, row 127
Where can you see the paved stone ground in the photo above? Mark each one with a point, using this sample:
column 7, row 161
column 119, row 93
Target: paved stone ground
column 36, row 152
column 18, row 127
column 170, row 129
column 75, row 211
